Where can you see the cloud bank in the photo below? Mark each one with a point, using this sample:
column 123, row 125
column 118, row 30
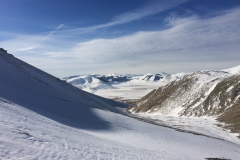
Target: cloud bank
column 208, row 43
column 187, row 44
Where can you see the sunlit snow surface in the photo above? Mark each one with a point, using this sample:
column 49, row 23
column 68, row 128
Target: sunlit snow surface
column 44, row 118
column 128, row 91
column 234, row 70
column 27, row 135
column 207, row 126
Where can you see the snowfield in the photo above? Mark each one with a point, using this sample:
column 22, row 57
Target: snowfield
column 42, row 117
column 207, row 126
column 25, row 134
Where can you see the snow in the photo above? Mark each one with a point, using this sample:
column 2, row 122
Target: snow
column 211, row 88
column 204, row 82
column 135, row 87
column 204, row 77
column 89, row 83
column 175, row 111
column 189, row 100
column 128, row 91
column 229, row 89
column 234, row 70
column 208, row 126
column 28, row 135
column 207, row 93
column 42, row 117
column 181, row 74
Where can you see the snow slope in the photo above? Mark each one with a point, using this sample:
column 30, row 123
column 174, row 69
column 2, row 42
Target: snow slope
column 44, row 118
column 185, row 96
column 234, row 70
column 38, row 91
column 203, row 93
column 24, row 134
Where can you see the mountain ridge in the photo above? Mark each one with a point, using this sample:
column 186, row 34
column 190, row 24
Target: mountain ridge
column 42, row 117
column 45, row 94
column 203, row 93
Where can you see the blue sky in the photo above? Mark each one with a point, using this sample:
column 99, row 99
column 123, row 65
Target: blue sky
column 72, row 37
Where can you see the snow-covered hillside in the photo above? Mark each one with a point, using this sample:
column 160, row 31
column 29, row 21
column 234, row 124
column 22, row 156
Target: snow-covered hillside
column 203, row 93
column 42, row 117
column 24, row 134
column 122, row 87
column 38, row 91
column 234, row 70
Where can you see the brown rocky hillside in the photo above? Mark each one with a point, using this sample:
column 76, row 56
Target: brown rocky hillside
column 203, row 93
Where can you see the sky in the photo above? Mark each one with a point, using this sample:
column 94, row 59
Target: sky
column 74, row 37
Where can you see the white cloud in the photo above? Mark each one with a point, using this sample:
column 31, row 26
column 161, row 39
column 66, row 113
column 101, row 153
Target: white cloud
column 51, row 33
column 188, row 44
column 33, row 45
column 29, row 42
column 151, row 9
column 27, row 49
column 19, row 43
column 189, row 40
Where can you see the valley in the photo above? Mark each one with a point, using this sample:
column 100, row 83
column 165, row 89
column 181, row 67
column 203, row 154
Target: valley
column 135, row 87
column 119, row 80
column 42, row 117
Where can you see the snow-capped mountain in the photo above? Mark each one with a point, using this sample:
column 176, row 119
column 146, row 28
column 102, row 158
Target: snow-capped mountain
column 116, row 78
column 89, row 83
column 42, row 117
column 203, row 93
column 155, row 78
column 109, row 78
column 120, row 86
column 93, row 82
column 150, row 77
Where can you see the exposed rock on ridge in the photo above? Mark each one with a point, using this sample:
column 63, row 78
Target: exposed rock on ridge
column 203, row 93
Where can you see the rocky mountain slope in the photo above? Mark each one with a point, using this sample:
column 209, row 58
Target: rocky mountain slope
column 203, row 93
